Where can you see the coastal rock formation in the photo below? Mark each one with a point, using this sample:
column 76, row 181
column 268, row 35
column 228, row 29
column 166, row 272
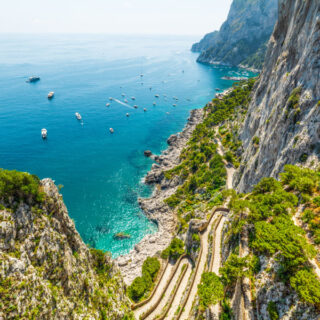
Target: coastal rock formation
column 242, row 39
column 283, row 121
column 155, row 208
column 46, row 271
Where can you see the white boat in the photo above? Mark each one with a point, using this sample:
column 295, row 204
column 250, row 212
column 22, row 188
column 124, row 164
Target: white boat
column 108, row 105
column 127, row 114
column 154, row 104
column 44, row 133
column 50, row 95
column 125, row 100
column 174, row 105
column 123, row 94
column 78, row 116
column 144, row 109
column 135, row 106
column 110, row 98
column 133, row 98
column 156, row 95
column 111, row 130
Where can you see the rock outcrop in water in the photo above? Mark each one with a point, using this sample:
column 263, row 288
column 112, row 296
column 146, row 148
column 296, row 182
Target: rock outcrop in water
column 46, row 271
column 284, row 114
column 242, row 39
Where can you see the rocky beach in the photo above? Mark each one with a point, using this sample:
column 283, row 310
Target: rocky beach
column 154, row 207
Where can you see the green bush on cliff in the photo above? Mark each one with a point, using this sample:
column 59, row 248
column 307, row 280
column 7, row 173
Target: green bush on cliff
column 273, row 311
column 142, row 285
column 19, row 187
column 175, row 250
column 269, row 210
column 210, row 290
column 151, row 266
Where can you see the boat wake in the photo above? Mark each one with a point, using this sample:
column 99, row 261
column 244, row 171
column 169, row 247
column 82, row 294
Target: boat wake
column 124, row 104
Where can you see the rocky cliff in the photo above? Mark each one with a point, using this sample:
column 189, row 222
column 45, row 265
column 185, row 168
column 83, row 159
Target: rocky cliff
column 242, row 38
column 282, row 123
column 46, row 271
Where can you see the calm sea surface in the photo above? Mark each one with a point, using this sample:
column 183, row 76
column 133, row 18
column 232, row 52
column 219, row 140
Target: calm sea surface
column 101, row 172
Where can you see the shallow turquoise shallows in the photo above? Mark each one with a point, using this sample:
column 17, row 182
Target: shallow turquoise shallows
column 101, row 172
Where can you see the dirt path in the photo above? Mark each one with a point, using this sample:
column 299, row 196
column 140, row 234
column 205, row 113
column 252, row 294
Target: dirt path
column 202, row 267
column 179, row 294
column 166, row 294
column 158, row 292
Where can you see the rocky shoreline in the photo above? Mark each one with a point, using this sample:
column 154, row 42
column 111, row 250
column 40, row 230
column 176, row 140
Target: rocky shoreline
column 154, row 207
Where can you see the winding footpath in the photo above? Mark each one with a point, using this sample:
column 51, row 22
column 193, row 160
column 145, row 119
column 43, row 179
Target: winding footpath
column 176, row 292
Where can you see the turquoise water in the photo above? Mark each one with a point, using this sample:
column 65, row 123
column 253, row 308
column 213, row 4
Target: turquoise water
column 101, row 173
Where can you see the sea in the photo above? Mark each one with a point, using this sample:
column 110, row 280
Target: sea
column 100, row 174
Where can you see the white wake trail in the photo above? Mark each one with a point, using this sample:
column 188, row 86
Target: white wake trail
column 124, row 104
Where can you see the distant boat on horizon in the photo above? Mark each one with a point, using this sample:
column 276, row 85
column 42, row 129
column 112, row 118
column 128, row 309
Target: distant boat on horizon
column 44, row 133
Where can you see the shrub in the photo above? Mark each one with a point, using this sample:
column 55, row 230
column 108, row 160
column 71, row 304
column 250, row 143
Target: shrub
column 139, row 287
column 293, row 101
column 20, row 186
column 151, row 266
column 273, row 311
column 175, row 250
column 100, row 261
column 233, row 269
column 210, row 290
column 256, row 140
column 307, row 285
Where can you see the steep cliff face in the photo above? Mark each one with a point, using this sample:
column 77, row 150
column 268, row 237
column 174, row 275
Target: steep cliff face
column 283, row 120
column 46, row 271
column 205, row 43
column 242, row 38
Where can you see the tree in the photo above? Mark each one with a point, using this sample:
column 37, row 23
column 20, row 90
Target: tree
column 210, row 290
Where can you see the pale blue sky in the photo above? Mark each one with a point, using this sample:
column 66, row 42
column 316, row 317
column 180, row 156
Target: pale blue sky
column 113, row 16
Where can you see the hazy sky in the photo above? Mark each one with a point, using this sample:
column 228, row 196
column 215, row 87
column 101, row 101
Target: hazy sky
column 113, row 16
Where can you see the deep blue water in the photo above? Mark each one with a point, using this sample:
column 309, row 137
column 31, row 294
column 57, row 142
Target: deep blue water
column 101, row 173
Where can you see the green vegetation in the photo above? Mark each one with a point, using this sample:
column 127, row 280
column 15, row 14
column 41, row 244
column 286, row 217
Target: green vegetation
column 293, row 101
column 269, row 210
column 273, row 311
column 202, row 169
column 256, row 140
column 175, row 250
column 19, row 187
column 141, row 286
column 233, row 269
column 210, row 290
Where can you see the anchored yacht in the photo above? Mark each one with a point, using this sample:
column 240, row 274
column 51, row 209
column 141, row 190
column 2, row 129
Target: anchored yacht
column 78, row 116
column 44, row 133
column 50, row 95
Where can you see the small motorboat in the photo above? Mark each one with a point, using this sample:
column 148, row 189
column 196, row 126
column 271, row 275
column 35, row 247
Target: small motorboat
column 108, row 105
column 123, row 94
column 156, row 95
column 33, row 79
column 175, row 98
column 174, row 105
column 127, row 114
column 135, row 106
column 50, row 95
column 78, row 116
column 144, row 109
column 44, row 133
column 133, row 98
column 141, row 75
column 110, row 98
column 111, row 130
column 154, row 104
column 125, row 100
